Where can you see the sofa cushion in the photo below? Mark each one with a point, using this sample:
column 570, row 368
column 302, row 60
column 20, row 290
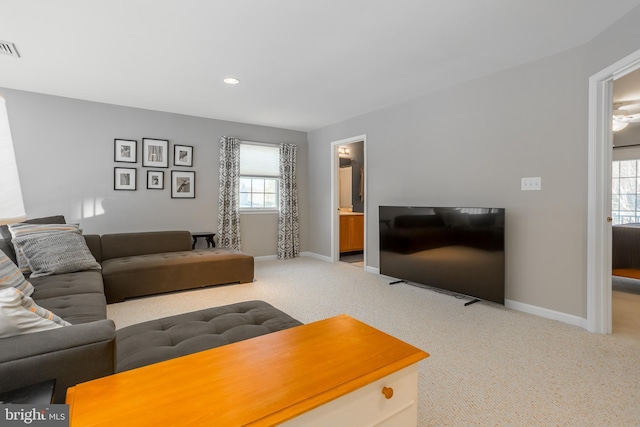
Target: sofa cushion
column 11, row 277
column 19, row 315
column 82, row 282
column 55, row 252
column 121, row 245
column 170, row 337
column 77, row 308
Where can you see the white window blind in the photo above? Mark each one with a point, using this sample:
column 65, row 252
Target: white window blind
column 259, row 160
column 259, row 172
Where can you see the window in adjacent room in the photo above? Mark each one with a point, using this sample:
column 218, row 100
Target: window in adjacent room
column 625, row 191
column 259, row 176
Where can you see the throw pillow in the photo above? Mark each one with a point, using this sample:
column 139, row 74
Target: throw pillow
column 55, row 219
column 34, row 230
column 10, row 276
column 19, row 315
column 56, row 253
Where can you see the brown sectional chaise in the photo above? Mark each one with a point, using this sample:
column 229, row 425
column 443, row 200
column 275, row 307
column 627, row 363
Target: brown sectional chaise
column 91, row 347
column 138, row 264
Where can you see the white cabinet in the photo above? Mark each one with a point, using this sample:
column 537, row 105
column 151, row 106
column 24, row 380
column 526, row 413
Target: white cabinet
column 368, row 406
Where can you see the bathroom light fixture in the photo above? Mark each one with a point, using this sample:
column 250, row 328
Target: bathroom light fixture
column 343, row 151
column 231, row 80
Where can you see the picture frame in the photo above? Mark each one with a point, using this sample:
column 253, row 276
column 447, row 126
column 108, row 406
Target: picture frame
column 183, row 184
column 183, row 155
column 124, row 179
column 125, row 150
column 155, row 180
column 155, row 153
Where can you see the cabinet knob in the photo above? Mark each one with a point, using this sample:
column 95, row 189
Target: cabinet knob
column 388, row 392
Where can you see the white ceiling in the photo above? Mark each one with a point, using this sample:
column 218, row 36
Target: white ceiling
column 303, row 64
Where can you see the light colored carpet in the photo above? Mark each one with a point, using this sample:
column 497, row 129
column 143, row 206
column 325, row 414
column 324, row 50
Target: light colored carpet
column 489, row 365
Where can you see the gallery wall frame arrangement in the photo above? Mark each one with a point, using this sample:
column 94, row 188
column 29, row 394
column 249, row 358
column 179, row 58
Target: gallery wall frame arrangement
column 125, row 150
column 155, row 180
column 183, row 184
column 124, row 179
column 155, row 153
column 182, row 155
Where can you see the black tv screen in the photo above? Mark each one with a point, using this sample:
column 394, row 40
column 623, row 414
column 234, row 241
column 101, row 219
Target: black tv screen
column 457, row 249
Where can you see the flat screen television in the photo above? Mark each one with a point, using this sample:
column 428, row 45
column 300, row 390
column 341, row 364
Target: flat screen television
column 457, row 249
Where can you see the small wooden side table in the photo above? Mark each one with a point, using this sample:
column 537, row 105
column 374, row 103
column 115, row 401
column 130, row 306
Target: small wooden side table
column 207, row 235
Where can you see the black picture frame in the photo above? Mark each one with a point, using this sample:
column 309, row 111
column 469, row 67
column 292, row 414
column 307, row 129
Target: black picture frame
column 155, row 153
column 183, row 184
column 155, row 180
column 124, row 179
column 183, row 155
column 125, row 150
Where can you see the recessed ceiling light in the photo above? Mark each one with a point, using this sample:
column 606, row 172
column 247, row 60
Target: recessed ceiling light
column 231, row 81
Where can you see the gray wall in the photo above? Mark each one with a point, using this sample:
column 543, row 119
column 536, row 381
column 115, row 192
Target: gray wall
column 64, row 150
column 471, row 144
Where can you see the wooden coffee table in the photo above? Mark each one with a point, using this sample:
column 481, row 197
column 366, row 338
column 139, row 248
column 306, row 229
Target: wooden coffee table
column 337, row 371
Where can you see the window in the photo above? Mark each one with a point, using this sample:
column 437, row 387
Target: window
column 625, row 191
column 259, row 176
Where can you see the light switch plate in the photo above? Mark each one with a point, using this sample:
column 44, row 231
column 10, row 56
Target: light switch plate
column 531, row 183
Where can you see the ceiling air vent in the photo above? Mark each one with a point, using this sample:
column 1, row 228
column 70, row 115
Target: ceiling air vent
column 9, row 48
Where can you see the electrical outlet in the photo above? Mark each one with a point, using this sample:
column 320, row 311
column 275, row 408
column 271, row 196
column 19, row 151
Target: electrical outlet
column 531, row 183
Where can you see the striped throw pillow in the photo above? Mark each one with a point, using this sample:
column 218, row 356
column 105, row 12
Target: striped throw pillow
column 34, row 231
column 19, row 315
column 11, row 277
column 56, row 253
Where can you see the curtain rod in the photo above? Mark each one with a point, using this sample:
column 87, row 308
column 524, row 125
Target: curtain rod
column 271, row 144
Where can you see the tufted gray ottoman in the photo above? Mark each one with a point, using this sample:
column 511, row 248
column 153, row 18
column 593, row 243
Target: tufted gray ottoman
column 169, row 337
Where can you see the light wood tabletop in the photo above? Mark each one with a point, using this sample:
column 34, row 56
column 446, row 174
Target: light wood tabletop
column 260, row 381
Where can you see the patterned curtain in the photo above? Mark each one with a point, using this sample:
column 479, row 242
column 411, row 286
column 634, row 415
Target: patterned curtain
column 288, row 224
column 228, row 198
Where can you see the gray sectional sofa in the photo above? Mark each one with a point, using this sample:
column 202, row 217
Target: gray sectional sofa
column 133, row 264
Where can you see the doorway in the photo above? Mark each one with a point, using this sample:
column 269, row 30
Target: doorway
column 625, row 239
column 599, row 266
column 349, row 217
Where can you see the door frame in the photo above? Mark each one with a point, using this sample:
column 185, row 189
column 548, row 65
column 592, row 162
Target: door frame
column 335, row 195
column 599, row 312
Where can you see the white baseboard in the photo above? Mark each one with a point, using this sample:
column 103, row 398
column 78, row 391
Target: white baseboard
column 515, row 305
column 546, row 313
column 317, row 256
column 309, row 254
